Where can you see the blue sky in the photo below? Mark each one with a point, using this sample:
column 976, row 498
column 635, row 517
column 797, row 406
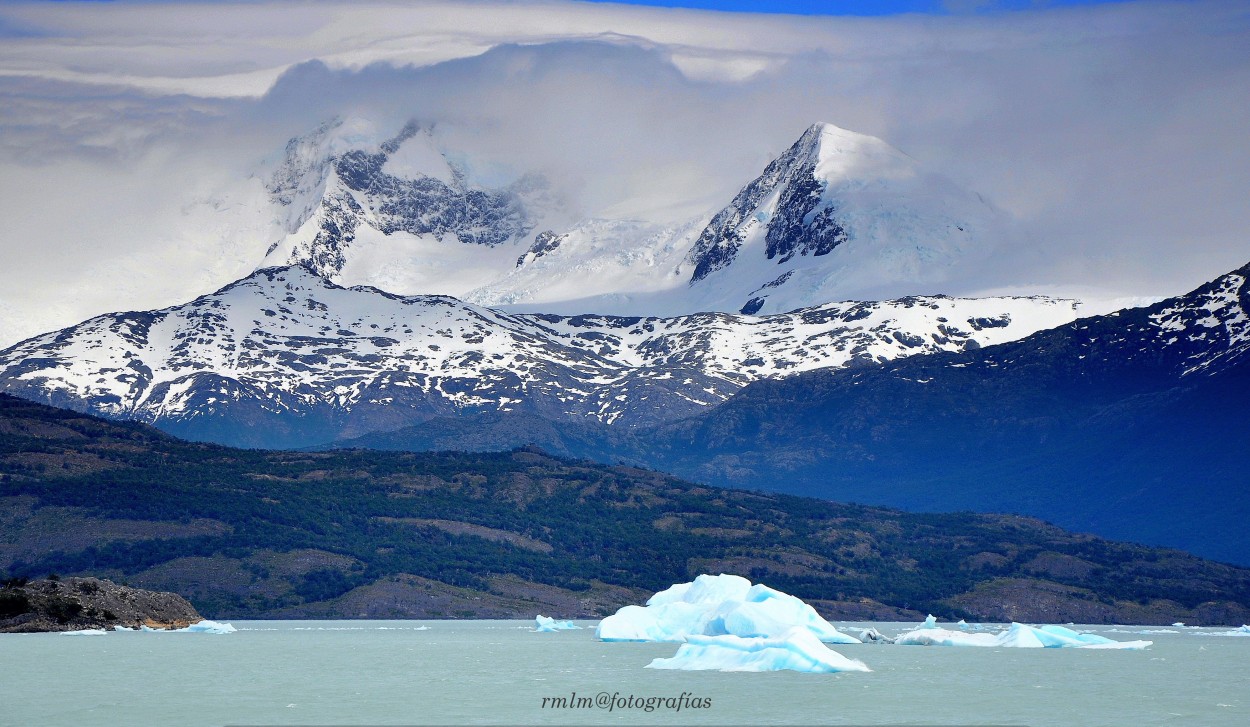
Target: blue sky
column 860, row 7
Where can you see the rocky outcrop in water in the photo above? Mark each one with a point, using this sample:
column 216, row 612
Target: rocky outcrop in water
column 74, row 604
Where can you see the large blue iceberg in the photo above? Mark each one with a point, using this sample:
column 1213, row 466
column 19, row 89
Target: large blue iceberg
column 797, row 649
column 723, row 605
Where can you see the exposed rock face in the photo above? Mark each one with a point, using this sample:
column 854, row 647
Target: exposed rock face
column 73, row 604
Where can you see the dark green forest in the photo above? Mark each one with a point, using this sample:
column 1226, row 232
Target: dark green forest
column 352, row 533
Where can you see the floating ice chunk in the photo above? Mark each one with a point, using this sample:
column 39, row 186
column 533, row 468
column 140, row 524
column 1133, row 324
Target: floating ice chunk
column 963, row 625
column 717, row 606
column 1134, row 645
column 85, row 632
column 872, row 636
column 547, row 624
column 209, row 627
column 930, row 622
column 1017, row 636
column 200, row 627
column 1179, row 624
column 798, row 649
column 123, row 628
column 943, row 637
column 1240, row 631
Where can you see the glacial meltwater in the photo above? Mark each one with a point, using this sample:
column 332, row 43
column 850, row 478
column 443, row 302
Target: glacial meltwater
column 503, row 672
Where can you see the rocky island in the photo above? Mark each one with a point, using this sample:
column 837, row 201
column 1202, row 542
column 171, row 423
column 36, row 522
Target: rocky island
column 75, row 604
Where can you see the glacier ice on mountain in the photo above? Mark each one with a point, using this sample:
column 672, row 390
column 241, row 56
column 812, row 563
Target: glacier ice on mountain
column 837, row 215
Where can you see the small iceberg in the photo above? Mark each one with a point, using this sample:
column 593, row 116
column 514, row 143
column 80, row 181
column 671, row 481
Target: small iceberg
column 546, row 624
column 871, row 635
column 798, row 649
column 85, row 632
column 200, row 627
column 1239, row 631
column 209, row 627
column 1017, row 636
column 723, row 605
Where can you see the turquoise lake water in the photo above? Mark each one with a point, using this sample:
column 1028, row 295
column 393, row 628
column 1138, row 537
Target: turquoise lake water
column 498, row 672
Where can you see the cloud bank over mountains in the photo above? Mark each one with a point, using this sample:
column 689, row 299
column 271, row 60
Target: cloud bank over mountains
column 135, row 137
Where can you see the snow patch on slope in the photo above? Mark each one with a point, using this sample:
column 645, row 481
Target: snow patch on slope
column 287, row 340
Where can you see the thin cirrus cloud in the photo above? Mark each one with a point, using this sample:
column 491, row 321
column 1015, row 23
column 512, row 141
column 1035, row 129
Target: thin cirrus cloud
column 133, row 136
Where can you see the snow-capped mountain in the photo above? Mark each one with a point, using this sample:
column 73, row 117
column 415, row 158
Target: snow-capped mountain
column 837, row 211
column 837, row 215
column 401, row 214
column 1131, row 424
column 286, row 358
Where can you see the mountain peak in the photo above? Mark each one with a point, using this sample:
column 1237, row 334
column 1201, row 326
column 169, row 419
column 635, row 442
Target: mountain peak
column 361, row 209
column 839, row 153
column 837, row 213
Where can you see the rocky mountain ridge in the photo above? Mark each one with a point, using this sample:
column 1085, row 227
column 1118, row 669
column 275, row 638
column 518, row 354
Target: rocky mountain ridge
column 1129, row 425
column 313, row 362
column 837, row 213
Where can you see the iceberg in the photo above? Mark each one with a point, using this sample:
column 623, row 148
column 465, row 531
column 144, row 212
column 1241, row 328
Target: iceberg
column 798, row 649
column 723, row 605
column 871, row 635
column 547, row 624
column 85, row 632
column 1018, row 636
column 209, row 627
column 200, row 627
column 1239, row 631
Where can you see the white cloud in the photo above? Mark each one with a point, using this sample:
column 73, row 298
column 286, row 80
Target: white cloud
column 128, row 131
